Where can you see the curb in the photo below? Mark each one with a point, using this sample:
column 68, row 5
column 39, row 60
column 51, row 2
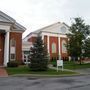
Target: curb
column 45, row 76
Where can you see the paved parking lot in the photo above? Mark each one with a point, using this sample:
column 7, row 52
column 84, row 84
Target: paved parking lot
column 32, row 83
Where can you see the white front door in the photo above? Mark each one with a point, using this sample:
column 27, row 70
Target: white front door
column 26, row 59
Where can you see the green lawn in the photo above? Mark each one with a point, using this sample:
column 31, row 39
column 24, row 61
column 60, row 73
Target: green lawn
column 26, row 70
column 77, row 66
column 73, row 65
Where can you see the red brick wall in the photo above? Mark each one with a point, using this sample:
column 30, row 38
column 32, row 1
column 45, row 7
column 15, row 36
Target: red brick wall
column 63, row 55
column 32, row 39
column 45, row 40
column 53, row 40
column 18, row 38
column 2, row 49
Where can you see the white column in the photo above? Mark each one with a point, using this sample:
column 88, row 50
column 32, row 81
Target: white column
column 59, row 47
column 43, row 37
column 48, row 44
column 6, row 49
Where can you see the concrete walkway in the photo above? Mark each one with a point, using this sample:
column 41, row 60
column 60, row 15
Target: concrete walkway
column 3, row 72
column 81, row 71
column 55, row 68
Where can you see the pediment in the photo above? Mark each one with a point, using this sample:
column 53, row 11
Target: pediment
column 13, row 24
column 58, row 27
column 5, row 18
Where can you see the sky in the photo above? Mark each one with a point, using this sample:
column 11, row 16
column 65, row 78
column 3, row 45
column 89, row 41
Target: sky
column 35, row 14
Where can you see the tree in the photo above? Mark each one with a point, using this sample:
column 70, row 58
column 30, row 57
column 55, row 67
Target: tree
column 78, row 34
column 87, row 48
column 38, row 56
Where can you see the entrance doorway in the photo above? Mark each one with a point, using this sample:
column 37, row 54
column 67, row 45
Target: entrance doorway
column 26, row 59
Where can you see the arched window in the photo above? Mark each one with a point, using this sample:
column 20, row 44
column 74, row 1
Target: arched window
column 53, row 47
column 64, row 50
column 12, row 49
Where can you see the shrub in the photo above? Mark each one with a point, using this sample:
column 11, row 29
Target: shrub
column 12, row 64
column 21, row 62
column 54, row 63
column 29, row 65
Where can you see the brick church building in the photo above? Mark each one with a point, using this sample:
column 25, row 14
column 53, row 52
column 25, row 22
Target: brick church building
column 54, row 36
column 10, row 39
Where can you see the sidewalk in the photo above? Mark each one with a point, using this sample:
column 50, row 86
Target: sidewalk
column 81, row 71
column 84, row 71
column 55, row 68
column 3, row 72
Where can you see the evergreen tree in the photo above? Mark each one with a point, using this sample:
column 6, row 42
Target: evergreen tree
column 38, row 56
column 78, row 34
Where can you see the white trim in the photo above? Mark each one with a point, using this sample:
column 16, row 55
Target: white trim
column 6, row 49
column 52, row 28
column 59, row 48
column 48, row 44
column 8, row 18
column 28, row 37
column 43, row 34
column 54, row 34
column 33, row 35
column 5, row 27
column 42, row 37
column 17, row 31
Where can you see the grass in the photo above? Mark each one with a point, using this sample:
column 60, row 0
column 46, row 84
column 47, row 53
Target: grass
column 73, row 65
column 26, row 70
column 77, row 66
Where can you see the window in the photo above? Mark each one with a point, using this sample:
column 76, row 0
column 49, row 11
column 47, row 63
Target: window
column 12, row 42
column 53, row 47
column 63, row 29
column 64, row 50
column 12, row 56
column 12, row 49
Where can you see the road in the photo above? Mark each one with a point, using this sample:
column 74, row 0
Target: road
column 33, row 83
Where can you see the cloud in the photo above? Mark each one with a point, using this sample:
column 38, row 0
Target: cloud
column 34, row 14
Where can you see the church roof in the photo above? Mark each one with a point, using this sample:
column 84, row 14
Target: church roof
column 53, row 28
column 4, row 18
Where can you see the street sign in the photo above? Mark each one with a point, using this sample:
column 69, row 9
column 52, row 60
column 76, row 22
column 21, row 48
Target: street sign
column 59, row 63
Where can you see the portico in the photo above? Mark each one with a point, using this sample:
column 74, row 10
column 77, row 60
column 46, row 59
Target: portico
column 4, row 44
column 10, row 39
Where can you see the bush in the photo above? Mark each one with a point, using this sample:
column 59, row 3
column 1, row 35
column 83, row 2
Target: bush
column 21, row 62
column 12, row 64
column 29, row 65
column 54, row 63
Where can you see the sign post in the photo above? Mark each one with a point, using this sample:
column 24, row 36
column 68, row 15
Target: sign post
column 59, row 63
